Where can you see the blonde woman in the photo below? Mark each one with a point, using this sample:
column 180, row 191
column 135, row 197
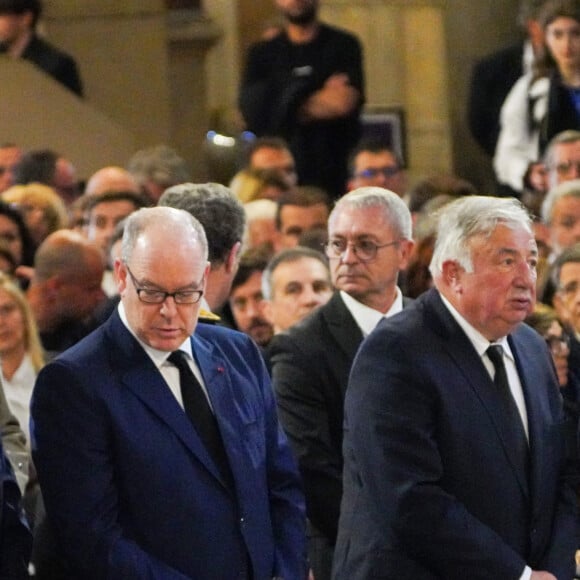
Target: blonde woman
column 21, row 353
column 41, row 207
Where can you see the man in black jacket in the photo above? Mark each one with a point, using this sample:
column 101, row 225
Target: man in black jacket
column 306, row 85
column 369, row 243
column 18, row 39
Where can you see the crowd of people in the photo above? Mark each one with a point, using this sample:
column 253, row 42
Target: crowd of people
column 317, row 370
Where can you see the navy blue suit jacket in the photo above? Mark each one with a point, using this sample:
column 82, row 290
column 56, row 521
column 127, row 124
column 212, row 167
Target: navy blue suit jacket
column 430, row 489
column 129, row 487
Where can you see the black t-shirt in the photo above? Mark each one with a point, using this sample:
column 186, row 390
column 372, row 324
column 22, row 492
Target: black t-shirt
column 280, row 76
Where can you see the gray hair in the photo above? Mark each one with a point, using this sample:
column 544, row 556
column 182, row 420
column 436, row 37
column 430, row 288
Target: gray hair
column 287, row 256
column 219, row 212
column 160, row 164
column 471, row 216
column 170, row 219
column 566, row 189
column 394, row 210
column 562, row 138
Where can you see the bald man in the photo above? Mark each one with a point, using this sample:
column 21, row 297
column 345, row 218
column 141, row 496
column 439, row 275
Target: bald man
column 65, row 288
column 111, row 178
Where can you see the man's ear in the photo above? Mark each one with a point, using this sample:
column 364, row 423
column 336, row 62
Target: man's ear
column 120, row 271
column 405, row 249
column 452, row 273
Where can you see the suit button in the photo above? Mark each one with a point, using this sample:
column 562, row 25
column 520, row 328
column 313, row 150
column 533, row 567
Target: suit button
column 242, row 521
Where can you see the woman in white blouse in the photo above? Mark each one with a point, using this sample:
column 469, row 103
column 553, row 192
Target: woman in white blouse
column 544, row 102
column 21, row 353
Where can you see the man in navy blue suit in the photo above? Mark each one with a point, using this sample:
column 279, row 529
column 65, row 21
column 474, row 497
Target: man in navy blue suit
column 454, row 445
column 133, row 484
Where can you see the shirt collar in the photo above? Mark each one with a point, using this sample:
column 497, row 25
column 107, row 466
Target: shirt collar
column 159, row 357
column 479, row 342
column 367, row 318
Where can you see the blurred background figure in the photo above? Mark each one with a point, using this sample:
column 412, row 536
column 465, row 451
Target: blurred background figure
column 261, row 225
column 42, row 208
column 10, row 155
column 374, row 163
column 542, row 104
column 104, row 211
column 544, row 320
column 424, row 190
column 14, row 233
column 561, row 213
column 48, row 167
column 253, row 184
column 111, row 178
column 307, row 85
column 20, row 350
column 304, row 208
column 246, row 302
column 295, row 283
column 562, row 158
column 18, row 39
column 65, row 289
column 272, row 153
column 157, row 168
column 495, row 75
column 102, row 214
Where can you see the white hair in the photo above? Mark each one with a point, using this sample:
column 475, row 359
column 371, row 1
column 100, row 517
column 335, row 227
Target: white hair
column 467, row 217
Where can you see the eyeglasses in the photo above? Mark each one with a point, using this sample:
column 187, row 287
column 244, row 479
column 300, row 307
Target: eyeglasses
column 372, row 172
column 364, row 250
column 150, row 296
column 567, row 167
column 558, row 345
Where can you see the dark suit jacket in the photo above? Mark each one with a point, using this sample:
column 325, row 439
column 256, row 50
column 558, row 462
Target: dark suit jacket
column 128, row 485
column 430, row 490
column 491, row 81
column 310, row 367
column 59, row 65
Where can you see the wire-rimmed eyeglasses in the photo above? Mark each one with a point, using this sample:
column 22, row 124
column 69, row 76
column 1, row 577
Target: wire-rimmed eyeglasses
column 150, row 296
column 364, row 250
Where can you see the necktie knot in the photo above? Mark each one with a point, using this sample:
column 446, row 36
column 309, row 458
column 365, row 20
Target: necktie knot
column 495, row 354
column 178, row 358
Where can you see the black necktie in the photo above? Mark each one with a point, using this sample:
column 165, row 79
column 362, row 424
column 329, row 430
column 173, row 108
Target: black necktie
column 513, row 426
column 200, row 414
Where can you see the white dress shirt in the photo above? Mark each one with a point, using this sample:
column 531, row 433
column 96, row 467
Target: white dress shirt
column 168, row 370
column 481, row 344
column 367, row 318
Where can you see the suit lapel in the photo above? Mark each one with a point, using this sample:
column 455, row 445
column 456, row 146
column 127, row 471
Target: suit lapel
column 529, row 370
column 470, row 365
column 345, row 330
column 144, row 380
column 217, row 377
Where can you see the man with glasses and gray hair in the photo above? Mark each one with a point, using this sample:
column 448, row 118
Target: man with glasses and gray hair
column 156, row 439
column 370, row 240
